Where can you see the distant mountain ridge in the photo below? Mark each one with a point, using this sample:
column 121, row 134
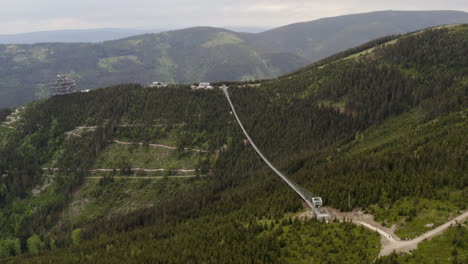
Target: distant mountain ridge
column 92, row 35
column 198, row 54
column 321, row 38
column 71, row 36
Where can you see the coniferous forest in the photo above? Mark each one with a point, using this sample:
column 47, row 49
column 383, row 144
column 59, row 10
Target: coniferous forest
column 366, row 128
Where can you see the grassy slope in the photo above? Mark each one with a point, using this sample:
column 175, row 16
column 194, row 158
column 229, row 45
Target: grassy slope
column 145, row 157
column 117, row 156
column 127, row 195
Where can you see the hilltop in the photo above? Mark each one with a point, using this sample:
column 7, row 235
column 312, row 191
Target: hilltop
column 91, row 35
column 197, row 54
column 72, row 36
column 324, row 37
column 380, row 127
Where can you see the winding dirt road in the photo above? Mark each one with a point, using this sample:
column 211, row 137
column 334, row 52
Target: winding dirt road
column 389, row 241
column 390, row 244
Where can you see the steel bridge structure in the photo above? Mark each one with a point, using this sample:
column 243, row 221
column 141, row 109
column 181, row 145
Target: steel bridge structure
column 314, row 202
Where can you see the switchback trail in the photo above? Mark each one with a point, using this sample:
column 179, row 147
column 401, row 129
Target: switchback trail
column 147, row 177
column 146, row 170
column 158, row 146
column 132, row 169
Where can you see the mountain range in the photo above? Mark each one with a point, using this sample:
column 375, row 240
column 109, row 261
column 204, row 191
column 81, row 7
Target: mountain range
column 198, row 54
column 128, row 174
column 92, row 35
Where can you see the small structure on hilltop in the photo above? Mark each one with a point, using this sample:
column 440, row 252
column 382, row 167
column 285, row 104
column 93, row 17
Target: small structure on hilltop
column 157, row 85
column 63, row 85
column 204, row 85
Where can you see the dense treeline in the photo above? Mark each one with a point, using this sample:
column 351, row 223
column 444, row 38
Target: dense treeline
column 227, row 241
column 422, row 164
column 282, row 130
column 4, row 112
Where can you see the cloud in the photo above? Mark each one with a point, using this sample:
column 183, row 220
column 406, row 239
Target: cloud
column 267, row 8
column 33, row 15
column 32, row 25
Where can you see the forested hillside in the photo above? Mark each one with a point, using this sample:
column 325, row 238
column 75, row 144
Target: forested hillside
column 197, row 54
column 378, row 129
column 183, row 56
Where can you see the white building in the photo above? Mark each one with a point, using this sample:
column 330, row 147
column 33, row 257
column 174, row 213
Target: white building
column 157, row 85
column 204, row 85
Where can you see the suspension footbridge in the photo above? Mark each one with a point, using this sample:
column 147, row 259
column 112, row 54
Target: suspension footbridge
column 314, row 202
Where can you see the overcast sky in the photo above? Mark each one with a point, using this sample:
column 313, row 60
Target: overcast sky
column 36, row 15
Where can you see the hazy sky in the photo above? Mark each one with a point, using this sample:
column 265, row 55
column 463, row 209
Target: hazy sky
column 35, row 15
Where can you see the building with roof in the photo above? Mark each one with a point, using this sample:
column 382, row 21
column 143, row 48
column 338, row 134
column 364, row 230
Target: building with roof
column 204, row 85
column 157, row 85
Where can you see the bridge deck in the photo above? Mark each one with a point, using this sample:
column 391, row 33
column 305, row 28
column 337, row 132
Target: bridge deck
column 314, row 203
